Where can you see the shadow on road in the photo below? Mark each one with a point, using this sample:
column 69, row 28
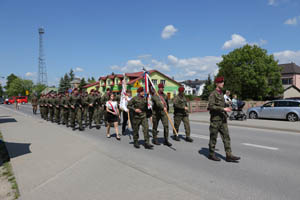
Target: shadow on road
column 205, row 152
column 6, row 119
column 17, row 149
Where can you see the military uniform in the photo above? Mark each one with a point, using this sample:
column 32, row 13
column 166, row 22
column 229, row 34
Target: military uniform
column 57, row 102
column 76, row 111
column 218, row 123
column 41, row 106
column 104, row 99
column 34, row 103
column 85, row 107
column 139, row 102
column 66, row 109
column 181, row 115
column 51, row 106
column 159, row 103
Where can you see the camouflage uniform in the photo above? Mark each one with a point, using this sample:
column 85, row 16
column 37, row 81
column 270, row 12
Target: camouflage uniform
column 51, row 107
column 85, row 108
column 181, row 114
column 218, row 122
column 41, row 106
column 159, row 103
column 66, row 110
column 98, row 109
column 76, row 112
column 34, row 103
column 57, row 102
column 46, row 101
column 139, row 102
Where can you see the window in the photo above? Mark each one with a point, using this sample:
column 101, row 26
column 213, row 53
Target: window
column 281, row 103
column 163, row 82
column 154, row 81
column 117, row 81
column 293, row 104
column 108, row 82
column 287, row 81
column 269, row 104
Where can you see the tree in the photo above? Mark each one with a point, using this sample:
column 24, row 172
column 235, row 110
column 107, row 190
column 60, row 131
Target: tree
column 71, row 75
column 10, row 79
column 38, row 88
column 208, row 88
column 82, row 83
column 19, row 86
column 251, row 73
column 91, row 80
column 1, row 90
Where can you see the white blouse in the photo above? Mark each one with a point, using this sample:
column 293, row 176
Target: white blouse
column 112, row 105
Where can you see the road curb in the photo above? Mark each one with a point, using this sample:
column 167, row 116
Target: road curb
column 251, row 126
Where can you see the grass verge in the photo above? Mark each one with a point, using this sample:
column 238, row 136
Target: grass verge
column 7, row 172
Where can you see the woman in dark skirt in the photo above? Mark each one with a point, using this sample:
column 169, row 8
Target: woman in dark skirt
column 113, row 115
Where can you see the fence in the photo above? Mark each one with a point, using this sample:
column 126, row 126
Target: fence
column 201, row 106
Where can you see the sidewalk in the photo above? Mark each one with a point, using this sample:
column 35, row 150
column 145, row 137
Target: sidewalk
column 54, row 163
column 279, row 125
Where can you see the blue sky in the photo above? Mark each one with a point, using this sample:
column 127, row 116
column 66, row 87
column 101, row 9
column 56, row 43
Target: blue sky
column 184, row 39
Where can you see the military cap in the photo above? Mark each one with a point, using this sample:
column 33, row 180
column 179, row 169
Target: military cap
column 141, row 89
column 161, row 85
column 92, row 90
column 181, row 89
column 219, row 79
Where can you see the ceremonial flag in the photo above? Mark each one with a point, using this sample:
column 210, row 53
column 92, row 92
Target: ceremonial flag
column 123, row 101
column 147, row 88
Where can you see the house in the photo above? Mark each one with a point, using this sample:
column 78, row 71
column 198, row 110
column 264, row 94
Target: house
column 291, row 92
column 196, row 85
column 188, row 90
column 290, row 75
column 114, row 82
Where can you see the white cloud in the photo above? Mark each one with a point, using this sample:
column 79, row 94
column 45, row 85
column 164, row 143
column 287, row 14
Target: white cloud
column 130, row 66
column 262, row 42
column 158, row 65
column 145, row 56
column 30, row 74
column 196, row 67
column 115, row 67
column 292, row 21
column 236, row 41
column 271, row 2
column 168, row 32
column 288, row 56
column 78, row 69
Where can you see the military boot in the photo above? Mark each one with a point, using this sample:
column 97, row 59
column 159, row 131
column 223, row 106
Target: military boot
column 136, row 144
column 148, row 146
column 231, row 158
column 155, row 141
column 90, row 127
column 97, row 127
column 167, row 143
column 176, row 137
column 189, row 139
column 213, row 157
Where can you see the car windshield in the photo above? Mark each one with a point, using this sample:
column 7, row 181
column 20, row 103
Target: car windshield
column 269, row 104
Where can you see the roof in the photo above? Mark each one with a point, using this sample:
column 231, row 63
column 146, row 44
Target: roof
column 290, row 68
column 193, row 83
column 90, row 85
column 292, row 86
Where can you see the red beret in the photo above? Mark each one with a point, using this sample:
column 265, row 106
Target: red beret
column 141, row 89
column 219, row 79
column 161, row 85
column 92, row 90
column 181, row 89
column 108, row 89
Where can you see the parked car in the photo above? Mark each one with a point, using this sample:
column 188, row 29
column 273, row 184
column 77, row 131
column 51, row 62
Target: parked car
column 278, row 109
column 20, row 99
column 1, row 100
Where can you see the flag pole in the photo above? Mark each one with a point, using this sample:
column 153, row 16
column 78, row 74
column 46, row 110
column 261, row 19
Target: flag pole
column 175, row 131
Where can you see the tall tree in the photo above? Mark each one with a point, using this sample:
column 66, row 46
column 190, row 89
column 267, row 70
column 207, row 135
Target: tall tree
column 19, row 86
column 10, row 79
column 82, row 83
column 71, row 75
column 251, row 73
column 1, row 91
column 208, row 88
column 38, row 88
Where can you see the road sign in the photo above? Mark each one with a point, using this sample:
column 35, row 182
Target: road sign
column 27, row 92
column 137, row 84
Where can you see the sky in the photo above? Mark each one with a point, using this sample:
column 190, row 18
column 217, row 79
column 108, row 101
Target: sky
column 183, row 39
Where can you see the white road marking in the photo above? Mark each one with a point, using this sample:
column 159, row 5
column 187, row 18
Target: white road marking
column 260, row 146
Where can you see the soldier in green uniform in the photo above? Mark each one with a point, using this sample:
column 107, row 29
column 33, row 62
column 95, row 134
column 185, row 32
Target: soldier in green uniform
column 138, row 105
column 41, row 106
column 218, row 122
column 76, row 110
column 51, row 105
column 65, row 104
column 85, row 107
column 34, row 103
column 98, row 108
column 160, row 105
column 91, row 107
column 57, row 102
column 46, row 106
column 181, row 114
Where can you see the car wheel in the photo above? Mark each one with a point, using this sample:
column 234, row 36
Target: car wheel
column 292, row 117
column 23, row 103
column 253, row 115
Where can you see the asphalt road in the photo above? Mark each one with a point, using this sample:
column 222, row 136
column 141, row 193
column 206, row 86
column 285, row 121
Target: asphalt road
column 269, row 166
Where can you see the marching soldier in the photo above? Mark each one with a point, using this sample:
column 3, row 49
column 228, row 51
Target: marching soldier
column 34, row 103
column 97, row 108
column 160, row 107
column 85, row 107
column 181, row 114
column 76, row 110
column 57, row 102
column 51, row 106
column 91, row 107
column 218, row 122
column 138, row 105
column 41, row 106
column 66, row 108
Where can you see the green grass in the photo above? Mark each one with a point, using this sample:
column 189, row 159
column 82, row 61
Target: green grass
column 7, row 168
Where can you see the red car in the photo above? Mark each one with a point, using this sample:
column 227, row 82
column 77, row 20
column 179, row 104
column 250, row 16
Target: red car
column 20, row 99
